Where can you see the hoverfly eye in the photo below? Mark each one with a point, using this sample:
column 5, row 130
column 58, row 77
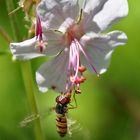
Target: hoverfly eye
column 57, row 99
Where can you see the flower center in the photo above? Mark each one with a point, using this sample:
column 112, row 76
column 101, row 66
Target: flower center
column 73, row 32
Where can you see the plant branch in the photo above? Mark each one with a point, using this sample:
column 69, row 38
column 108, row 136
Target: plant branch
column 5, row 35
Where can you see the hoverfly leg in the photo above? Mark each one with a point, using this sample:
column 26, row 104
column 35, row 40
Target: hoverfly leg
column 75, row 102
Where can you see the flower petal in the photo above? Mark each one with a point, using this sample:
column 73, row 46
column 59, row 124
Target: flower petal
column 25, row 50
column 88, row 24
column 52, row 45
column 93, row 6
column 90, row 9
column 112, row 12
column 54, row 41
column 99, row 49
column 53, row 74
column 54, row 12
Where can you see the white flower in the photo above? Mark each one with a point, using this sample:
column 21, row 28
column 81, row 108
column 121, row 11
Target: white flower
column 76, row 36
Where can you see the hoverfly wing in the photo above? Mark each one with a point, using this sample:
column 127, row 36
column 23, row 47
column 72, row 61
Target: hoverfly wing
column 74, row 127
column 77, row 130
column 29, row 119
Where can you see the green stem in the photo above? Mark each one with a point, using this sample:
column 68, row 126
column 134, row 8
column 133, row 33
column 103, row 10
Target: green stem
column 29, row 86
column 27, row 74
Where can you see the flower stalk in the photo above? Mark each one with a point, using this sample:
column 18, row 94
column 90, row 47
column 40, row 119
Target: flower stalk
column 28, row 83
column 27, row 75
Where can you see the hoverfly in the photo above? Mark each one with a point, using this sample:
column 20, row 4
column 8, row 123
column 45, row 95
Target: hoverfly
column 62, row 102
column 63, row 124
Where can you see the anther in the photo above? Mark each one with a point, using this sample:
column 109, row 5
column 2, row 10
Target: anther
column 77, row 80
column 82, row 79
column 82, row 69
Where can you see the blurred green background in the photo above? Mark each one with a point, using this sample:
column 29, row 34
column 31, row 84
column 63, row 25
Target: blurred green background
column 109, row 106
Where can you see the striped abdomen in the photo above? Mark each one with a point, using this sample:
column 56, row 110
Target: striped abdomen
column 61, row 124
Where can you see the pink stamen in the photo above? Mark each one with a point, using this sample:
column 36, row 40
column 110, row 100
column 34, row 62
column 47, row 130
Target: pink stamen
column 77, row 64
column 75, row 70
column 39, row 29
column 87, row 57
column 74, row 60
column 39, row 33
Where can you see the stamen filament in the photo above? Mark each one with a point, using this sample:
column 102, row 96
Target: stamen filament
column 78, row 61
column 87, row 57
